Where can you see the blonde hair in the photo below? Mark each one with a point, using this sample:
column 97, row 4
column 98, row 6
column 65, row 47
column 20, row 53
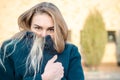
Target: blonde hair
column 60, row 27
column 35, row 56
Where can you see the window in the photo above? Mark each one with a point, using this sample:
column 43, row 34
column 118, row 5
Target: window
column 111, row 36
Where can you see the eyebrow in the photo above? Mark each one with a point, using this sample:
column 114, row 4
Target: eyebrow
column 37, row 25
column 41, row 26
column 51, row 27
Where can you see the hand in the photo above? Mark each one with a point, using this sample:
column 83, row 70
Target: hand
column 53, row 70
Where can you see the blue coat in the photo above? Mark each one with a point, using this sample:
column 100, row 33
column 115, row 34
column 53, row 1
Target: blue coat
column 15, row 63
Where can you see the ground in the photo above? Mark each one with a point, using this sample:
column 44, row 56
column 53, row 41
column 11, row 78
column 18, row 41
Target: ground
column 103, row 72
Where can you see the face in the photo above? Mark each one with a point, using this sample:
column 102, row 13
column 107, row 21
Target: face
column 42, row 25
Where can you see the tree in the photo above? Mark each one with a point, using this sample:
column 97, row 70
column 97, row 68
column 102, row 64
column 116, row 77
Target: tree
column 93, row 39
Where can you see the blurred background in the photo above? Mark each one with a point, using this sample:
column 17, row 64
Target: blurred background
column 94, row 26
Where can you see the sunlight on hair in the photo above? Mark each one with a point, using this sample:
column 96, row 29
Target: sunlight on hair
column 34, row 58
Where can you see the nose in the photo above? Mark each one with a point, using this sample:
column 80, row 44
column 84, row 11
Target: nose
column 43, row 33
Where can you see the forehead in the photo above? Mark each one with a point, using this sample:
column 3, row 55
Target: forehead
column 42, row 20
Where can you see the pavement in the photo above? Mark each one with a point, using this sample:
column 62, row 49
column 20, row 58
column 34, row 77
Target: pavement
column 101, row 75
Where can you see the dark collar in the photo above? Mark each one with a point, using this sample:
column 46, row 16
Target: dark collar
column 49, row 44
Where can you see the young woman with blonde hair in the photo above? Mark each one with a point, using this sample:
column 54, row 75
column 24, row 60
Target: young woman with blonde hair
column 40, row 50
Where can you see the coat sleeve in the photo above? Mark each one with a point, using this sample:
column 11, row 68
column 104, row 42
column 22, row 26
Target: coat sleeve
column 1, row 62
column 75, row 71
column 6, row 68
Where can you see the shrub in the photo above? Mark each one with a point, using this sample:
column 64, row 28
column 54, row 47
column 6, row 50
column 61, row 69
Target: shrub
column 93, row 39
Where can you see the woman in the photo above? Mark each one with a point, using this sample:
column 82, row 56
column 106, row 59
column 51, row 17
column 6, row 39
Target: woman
column 40, row 51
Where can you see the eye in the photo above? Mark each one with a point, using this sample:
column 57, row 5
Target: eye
column 38, row 28
column 51, row 30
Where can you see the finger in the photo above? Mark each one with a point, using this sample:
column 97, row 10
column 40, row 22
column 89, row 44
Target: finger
column 53, row 59
column 58, row 63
